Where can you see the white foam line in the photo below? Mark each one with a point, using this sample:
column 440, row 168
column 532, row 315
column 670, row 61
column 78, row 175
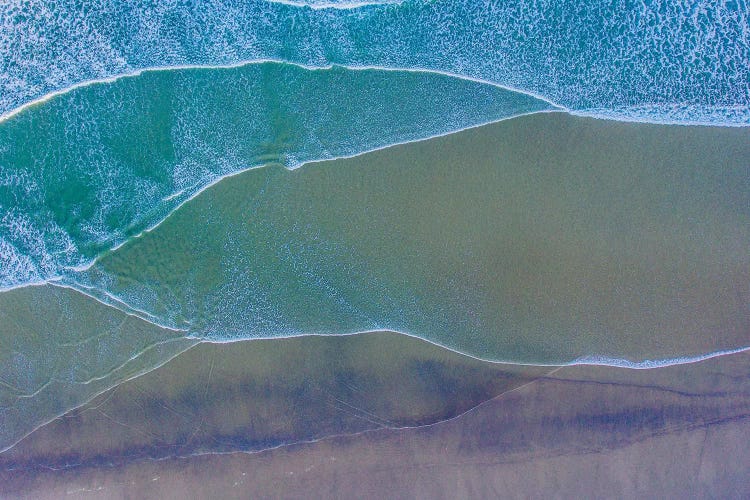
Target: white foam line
column 586, row 360
column 248, row 62
column 173, row 195
column 339, row 6
column 594, row 360
column 130, row 311
column 48, row 281
column 654, row 363
column 427, row 138
column 601, row 114
column 97, row 394
column 139, row 72
column 602, row 361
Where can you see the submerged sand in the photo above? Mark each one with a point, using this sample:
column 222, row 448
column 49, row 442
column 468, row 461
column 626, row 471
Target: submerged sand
column 544, row 238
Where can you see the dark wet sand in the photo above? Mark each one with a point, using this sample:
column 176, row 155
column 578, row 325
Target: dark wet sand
column 260, row 394
column 672, row 432
column 59, row 349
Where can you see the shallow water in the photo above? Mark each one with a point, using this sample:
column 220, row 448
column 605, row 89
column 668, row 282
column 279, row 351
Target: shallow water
column 88, row 169
column 657, row 61
column 540, row 240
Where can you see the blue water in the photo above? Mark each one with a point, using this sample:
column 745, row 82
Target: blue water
column 663, row 61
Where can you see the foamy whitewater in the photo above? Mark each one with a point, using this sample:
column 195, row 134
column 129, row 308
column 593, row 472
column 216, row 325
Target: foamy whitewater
column 661, row 61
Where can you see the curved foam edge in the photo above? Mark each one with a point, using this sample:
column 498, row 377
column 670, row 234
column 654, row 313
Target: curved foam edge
column 654, row 363
column 82, row 268
column 636, row 114
column 588, row 360
column 345, row 5
column 139, row 71
column 591, row 360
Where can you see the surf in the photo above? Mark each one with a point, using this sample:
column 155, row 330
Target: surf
column 631, row 63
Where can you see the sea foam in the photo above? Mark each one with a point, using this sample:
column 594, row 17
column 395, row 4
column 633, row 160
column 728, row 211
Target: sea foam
column 87, row 169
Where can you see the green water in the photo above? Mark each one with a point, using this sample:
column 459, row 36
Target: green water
column 58, row 349
column 84, row 171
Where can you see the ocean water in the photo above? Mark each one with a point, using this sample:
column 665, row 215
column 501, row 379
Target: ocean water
column 177, row 172
column 246, row 398
column 59, row 349
column 664, row 60
column 84, row 171
column 541, row 239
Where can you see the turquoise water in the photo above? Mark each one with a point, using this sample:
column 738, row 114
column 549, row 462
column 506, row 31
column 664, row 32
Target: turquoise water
column 88, row 169
column 658, row 60
column 540, row 239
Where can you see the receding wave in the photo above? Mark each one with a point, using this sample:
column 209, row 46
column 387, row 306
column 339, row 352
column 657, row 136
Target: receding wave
column 336, row 4
column 85, row 170
column 545, row 239
column 661, row 61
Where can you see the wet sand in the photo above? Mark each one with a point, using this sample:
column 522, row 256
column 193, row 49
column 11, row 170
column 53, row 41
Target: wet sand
column 59, row 349
column 595, row 431
column 259, row 394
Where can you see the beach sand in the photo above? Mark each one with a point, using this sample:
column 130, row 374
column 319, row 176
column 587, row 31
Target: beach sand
column 595, row 431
